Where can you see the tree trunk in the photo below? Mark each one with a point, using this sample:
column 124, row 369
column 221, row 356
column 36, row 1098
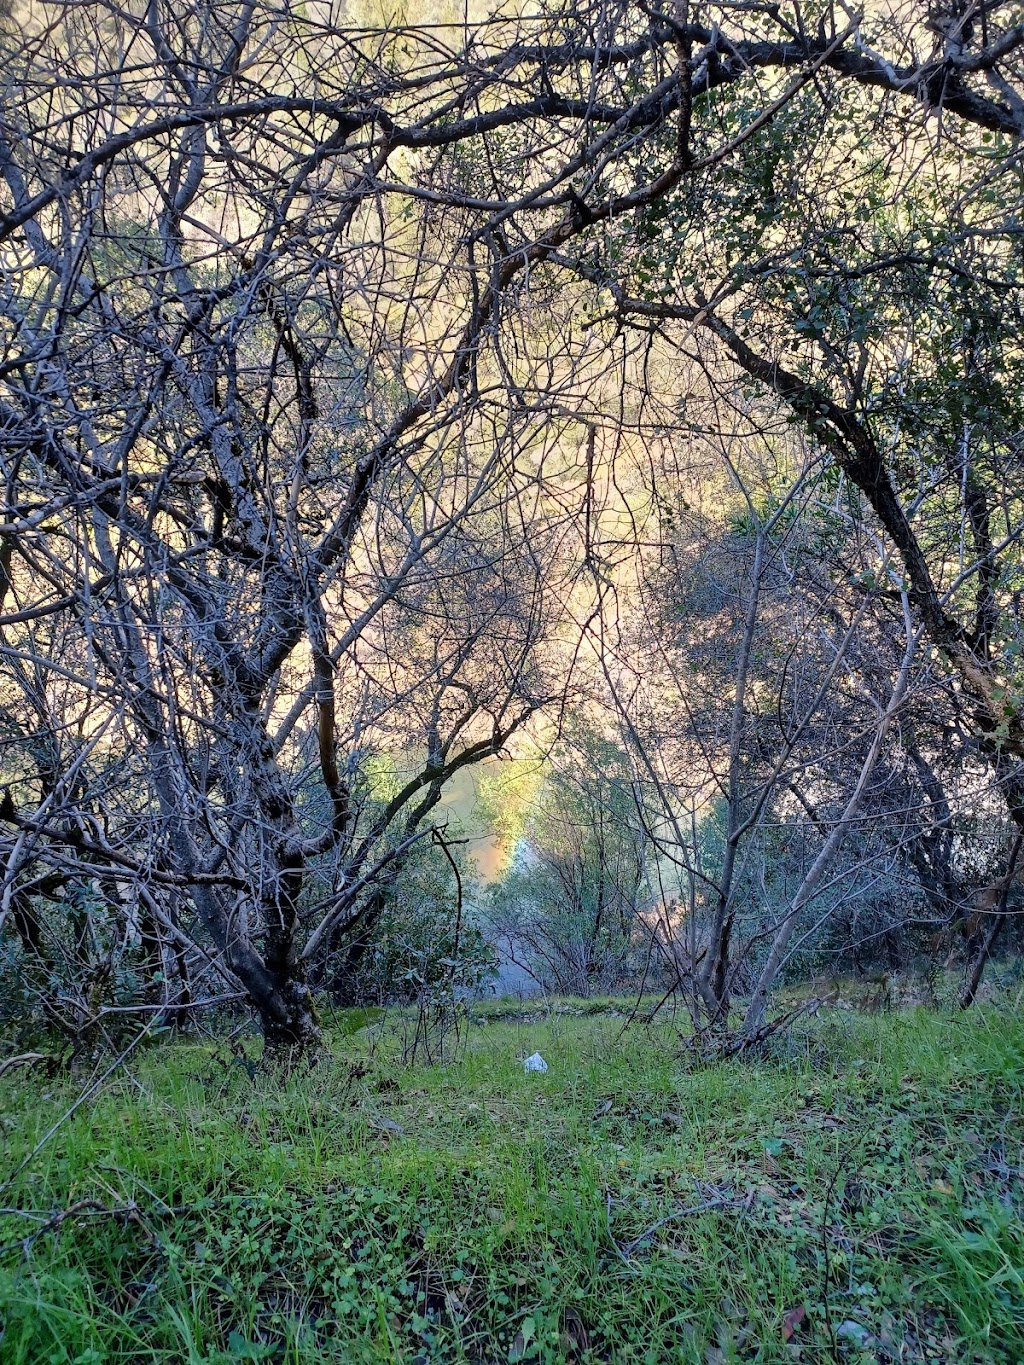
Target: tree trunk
column 289, row 1018
column 998, row 908
column 977, row 970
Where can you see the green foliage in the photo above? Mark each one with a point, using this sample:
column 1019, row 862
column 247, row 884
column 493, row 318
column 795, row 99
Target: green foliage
column 508, row 792
column 570, row 896
column 89, row 962
column 424, row 945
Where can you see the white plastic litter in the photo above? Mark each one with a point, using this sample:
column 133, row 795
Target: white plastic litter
column 535, row 1063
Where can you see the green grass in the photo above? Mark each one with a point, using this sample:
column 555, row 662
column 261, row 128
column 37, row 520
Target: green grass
column 866, row 1180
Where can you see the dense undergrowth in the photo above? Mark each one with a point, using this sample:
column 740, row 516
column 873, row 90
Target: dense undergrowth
column 856, row 1196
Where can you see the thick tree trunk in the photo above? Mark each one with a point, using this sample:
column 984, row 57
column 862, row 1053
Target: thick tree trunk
column 289, row 1018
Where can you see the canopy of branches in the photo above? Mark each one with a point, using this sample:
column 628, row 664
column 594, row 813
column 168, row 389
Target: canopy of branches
column 375, row 397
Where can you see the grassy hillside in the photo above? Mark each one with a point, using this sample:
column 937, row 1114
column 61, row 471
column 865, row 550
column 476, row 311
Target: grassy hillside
column 855, row 1197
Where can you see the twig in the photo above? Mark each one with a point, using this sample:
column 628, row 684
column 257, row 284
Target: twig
column 719, row 1201
column 704, row 1207
column 55, row 1220
column 22, row 1059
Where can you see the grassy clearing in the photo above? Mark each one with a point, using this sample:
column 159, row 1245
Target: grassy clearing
column 857, row 1197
